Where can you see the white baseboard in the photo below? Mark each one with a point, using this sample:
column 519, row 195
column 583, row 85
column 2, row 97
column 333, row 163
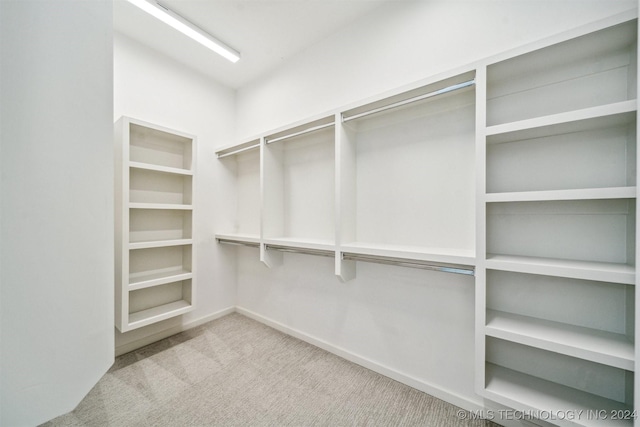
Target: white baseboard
column 139, row 343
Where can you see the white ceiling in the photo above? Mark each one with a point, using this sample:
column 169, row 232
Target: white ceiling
column 266, row 32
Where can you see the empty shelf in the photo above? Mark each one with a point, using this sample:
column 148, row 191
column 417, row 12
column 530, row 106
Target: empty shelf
column 600, row 271
column 597, row 346
column 577, row 194
column 156, row 314
column 527, row 393
column 149, row 279
column 157, row 168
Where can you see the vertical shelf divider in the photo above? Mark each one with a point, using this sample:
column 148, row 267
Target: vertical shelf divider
column 636, row 321
column 345, row 197
column 271, row 193
column 481, row 212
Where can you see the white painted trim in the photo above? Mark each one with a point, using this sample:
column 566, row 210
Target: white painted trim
column 139, row 343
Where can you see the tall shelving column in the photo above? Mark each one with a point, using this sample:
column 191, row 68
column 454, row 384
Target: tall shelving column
column 155, row 271
column 556, row 289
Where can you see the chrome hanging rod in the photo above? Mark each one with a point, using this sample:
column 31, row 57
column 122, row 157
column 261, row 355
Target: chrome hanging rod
column 302, row 132
column 411, row 100
column 319, row 252
column 402, row 262
column 238, row 151
column 238, row 243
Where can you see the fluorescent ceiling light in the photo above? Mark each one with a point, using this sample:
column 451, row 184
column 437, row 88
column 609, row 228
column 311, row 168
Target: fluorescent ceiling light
column 179, row 23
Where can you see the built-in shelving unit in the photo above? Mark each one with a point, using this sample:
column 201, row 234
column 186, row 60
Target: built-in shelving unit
column 242, row 166
column 298, row 184
column 154, row 223
column 324, row 185
column 520, row 169
column 556, row 274
column 394, row 154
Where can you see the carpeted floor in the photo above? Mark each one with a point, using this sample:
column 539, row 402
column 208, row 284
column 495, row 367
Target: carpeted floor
column 237, row 372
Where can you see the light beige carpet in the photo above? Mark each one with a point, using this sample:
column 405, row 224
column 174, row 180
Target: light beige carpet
column 237, row 372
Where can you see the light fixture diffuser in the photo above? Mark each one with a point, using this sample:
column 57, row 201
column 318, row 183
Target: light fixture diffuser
column 187, row 28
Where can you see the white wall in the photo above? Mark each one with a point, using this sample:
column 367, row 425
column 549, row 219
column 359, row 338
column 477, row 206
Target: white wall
column 401, row 43
column 150, row 87
column 57, row 205
column 413, row 325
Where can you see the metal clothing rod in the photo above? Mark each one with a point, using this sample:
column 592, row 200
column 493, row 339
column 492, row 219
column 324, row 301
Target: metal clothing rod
column 237, row 243
column 302, row 132
column 402, row 262
column 411, row 100
column 307, row 251
column 239, row 150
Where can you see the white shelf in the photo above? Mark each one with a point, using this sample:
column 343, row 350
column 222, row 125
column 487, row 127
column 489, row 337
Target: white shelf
column 602, row 116
column 158, row 168
column 156, row 314
column 233, row 149
column 315, row 244
column 406, row 175
column 151, row 186
column 298, row 176
column 154, row 259
column 529, row 393
column 590, row 344
column 164, row 206
column 418, row 253
column 160, row 243
column 596, row 69
column 239, row 238
column 150, row 279
column 594, row 152
column 577, row 194
column 600, row 271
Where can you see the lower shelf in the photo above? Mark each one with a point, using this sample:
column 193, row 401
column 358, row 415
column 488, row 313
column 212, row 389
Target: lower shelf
column 156, row 314
column 559, row 404
column 238, row 238
column 153, row 304
column 590, row 344
column 417, row 253
column 313, row 244
column 155, row 278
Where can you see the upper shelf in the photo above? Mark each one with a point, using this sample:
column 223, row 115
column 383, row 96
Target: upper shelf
column 165, row 169
column 588, row 71
column 151, row 145
column 450, row 86
column 578, row 194
column 601, row 271
column 602, row 116
column 234, row 149
column 599, row 143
